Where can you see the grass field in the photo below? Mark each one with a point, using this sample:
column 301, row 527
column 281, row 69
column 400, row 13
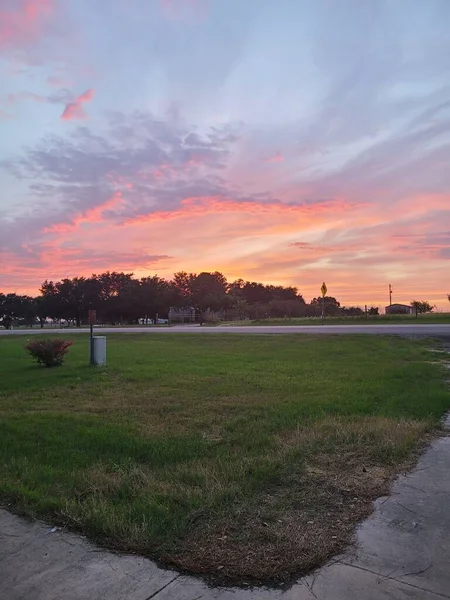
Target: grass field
column 428, row 319
column 245, row 458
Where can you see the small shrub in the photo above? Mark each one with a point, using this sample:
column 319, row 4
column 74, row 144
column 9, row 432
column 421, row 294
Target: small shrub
column 211, row 319
column 49, row 353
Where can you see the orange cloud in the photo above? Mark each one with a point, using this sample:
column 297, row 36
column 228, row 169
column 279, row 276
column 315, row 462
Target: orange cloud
column 334, row 240
column 92, row 215
column 24, row 21
column 202, row 206
column 74, row 110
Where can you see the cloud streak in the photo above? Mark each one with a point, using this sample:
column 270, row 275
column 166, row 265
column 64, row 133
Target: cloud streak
column 74, row 110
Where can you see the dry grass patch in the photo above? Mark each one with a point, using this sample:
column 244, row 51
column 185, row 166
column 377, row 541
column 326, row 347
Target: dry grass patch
column 324, row 478
column 333, row 471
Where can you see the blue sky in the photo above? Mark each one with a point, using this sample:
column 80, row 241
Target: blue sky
column 288, row 142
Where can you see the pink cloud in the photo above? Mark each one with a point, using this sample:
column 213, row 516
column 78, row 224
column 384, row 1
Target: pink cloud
column 276, row 158
column 74, row 110
column 191, row 207
column 92, row 215
column 298, row 244
column 22, row 21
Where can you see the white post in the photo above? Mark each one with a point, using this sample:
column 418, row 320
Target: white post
column 99, row 350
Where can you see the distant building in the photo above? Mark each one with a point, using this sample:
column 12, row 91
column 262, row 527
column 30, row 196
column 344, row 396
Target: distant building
column 399, row 309
column 182, row 315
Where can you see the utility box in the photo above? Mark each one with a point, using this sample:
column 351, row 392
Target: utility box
column 99, row 350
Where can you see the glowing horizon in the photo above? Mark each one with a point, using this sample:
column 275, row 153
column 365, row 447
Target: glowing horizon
column 288, row 143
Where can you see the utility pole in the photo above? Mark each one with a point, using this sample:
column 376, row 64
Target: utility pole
column 390, row 294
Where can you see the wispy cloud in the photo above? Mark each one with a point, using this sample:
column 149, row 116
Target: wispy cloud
column 73, row 105
column 56, row 81
column 95, row 214
column 21, row 21
column 74, row 110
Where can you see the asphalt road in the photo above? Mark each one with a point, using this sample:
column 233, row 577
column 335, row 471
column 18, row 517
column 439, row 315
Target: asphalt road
column 436, row 330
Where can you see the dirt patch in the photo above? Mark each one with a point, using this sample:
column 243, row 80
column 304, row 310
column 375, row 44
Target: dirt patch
column 311, row 513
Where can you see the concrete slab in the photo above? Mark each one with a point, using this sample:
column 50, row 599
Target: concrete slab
column 402, row 552
column 343, row 582
column 407, row 537
column 38, row 564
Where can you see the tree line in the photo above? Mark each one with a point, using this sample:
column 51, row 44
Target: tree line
column 120, row 298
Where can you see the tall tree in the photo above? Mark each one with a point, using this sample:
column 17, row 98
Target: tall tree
column 108, row 288
column 208, row 291
column 182, row 285
column 70, row 299
column 156, row 296
column 15, row 308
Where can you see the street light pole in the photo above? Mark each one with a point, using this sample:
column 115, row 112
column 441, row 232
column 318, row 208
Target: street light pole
column 390, row 295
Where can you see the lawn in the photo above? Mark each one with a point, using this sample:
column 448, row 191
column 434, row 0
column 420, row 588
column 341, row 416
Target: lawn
column 243, row 458
column 427, row 319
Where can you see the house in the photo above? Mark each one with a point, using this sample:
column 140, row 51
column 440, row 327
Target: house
column 399, row 309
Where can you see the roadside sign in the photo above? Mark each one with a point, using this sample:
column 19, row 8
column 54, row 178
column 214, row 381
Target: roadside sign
column 324, row 289
column 92, row 317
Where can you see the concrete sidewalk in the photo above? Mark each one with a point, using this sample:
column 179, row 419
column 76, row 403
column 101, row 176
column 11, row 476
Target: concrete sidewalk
column 402, row 552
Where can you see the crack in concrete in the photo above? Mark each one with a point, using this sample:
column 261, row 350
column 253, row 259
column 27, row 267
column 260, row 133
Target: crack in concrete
column 310, row 589
column 405, row 507
column 162, row 588
column 390, row 578
column 417, row 572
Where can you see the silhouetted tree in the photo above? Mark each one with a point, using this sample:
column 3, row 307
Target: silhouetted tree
column 181, row 284
column 70, row 299
column 156, row 296
column 119, row 297
column 257, row 301
column 41, row 310
column 352, row 311
column 106, row 290
column 332, row 306
column 208, row 291
column 421, row 306
column 15, row 308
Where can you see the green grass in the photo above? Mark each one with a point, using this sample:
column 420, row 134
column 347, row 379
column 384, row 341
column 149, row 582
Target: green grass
column 427, row 319
column 249, row 458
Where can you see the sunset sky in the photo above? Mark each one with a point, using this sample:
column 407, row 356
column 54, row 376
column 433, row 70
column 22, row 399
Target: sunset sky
column 283, row 141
